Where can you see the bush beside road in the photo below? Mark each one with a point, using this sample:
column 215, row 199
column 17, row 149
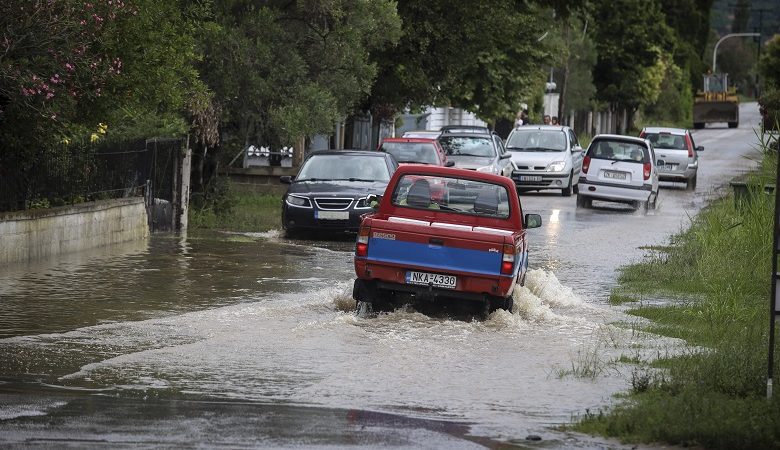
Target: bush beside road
column 713, row 393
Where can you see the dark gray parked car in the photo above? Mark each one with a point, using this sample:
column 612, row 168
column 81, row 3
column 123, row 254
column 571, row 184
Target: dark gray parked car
column 329, row 193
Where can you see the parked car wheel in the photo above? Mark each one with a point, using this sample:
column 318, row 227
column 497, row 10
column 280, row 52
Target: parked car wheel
column 698, row 125
column 576, row 188
column 733, row 124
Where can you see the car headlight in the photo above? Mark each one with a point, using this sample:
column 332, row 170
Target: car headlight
column 362, row 204
column 556, row 166
column 301, row 202
column 488, row 169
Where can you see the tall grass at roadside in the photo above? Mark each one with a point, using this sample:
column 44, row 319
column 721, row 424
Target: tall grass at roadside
column 713, row 394
column 224, row 208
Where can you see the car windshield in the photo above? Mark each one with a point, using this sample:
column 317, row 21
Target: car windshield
column 332, row 167
column 468, row 146
column 537, row 140
column 456, row 195
column 667, row 140
column 619, row 151
column 411, row 152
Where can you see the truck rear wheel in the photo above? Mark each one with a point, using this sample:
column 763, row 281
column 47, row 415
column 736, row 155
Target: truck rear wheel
column 364, row 309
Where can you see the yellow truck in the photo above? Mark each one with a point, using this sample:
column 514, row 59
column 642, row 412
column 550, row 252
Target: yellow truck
column 717, row 102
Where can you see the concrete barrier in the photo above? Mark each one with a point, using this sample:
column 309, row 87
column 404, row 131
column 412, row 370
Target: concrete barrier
column 43, row 233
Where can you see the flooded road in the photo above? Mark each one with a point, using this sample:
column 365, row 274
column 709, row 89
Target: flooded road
column 250, row 339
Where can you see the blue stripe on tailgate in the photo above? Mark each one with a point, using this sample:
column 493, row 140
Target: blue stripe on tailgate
column 434, row 256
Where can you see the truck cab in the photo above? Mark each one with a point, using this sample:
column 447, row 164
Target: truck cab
column 467, row 245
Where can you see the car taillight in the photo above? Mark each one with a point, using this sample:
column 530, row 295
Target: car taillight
column 585, row 164
column 361, row 247
column 642, row 135
column 647, row 168
column 508, row 260
column 689, row 145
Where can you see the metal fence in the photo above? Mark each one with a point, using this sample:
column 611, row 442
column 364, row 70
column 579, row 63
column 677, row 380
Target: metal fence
column 69, row 174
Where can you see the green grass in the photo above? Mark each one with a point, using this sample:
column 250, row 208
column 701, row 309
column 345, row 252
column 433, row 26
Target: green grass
column 229, row 210
column 713, row 393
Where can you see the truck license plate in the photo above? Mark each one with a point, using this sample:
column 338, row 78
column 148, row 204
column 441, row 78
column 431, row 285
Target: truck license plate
column 530, row 178
column 437, row 280
column 331, row 215
column 615, row 175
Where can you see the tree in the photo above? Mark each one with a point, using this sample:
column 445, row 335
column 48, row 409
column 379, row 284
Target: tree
column 67, row 65
column 281, row 70
column 633, row 43
column 769, row 68
column 481, row 56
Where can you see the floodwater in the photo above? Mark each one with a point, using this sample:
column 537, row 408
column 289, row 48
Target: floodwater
column 251, row 339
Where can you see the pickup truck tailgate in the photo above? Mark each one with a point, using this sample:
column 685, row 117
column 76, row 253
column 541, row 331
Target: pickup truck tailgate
column 443, row 248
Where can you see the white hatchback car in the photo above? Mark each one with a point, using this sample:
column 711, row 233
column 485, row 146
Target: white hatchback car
column 546, row 157
column 619, row 169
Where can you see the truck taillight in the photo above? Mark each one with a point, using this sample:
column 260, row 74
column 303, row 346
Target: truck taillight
column 585, row 164
column 508, row 260
column 646, row 172
column 361, row 247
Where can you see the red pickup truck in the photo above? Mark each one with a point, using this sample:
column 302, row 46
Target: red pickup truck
column 469, row 245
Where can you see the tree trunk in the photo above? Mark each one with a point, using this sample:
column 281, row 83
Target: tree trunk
column 564, row 78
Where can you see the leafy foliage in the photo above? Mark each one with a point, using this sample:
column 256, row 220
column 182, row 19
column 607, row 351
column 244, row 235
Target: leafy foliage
column 482, row 56
column 632, row 42
column 282, row 70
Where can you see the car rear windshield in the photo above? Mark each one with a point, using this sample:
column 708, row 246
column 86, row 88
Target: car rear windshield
column 468, row 146
column 619, row 151
column 667, row 140
column 537, row 140
column 461, row 196
column 344, row 167
column 411, row 152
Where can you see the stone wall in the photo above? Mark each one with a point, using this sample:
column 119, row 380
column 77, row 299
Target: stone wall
column 43, row 233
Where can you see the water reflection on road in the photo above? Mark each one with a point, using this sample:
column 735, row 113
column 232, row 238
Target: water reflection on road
column 258, row 320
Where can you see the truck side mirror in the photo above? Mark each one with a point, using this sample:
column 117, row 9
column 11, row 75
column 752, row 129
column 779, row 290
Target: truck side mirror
column 286, row 179
column 373, row 200
column 533, row 221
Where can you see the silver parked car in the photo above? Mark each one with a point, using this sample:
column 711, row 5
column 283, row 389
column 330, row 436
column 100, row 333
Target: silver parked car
column 678, row 156
column 619, row 169
column 546, row 157
column 480, row 151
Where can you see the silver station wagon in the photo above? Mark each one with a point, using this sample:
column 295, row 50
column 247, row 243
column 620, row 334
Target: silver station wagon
column 678, row 156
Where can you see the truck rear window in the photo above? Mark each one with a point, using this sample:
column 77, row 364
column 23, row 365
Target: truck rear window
column 460, row 196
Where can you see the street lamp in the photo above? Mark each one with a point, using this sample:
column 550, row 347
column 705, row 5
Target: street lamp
column 715, row 50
